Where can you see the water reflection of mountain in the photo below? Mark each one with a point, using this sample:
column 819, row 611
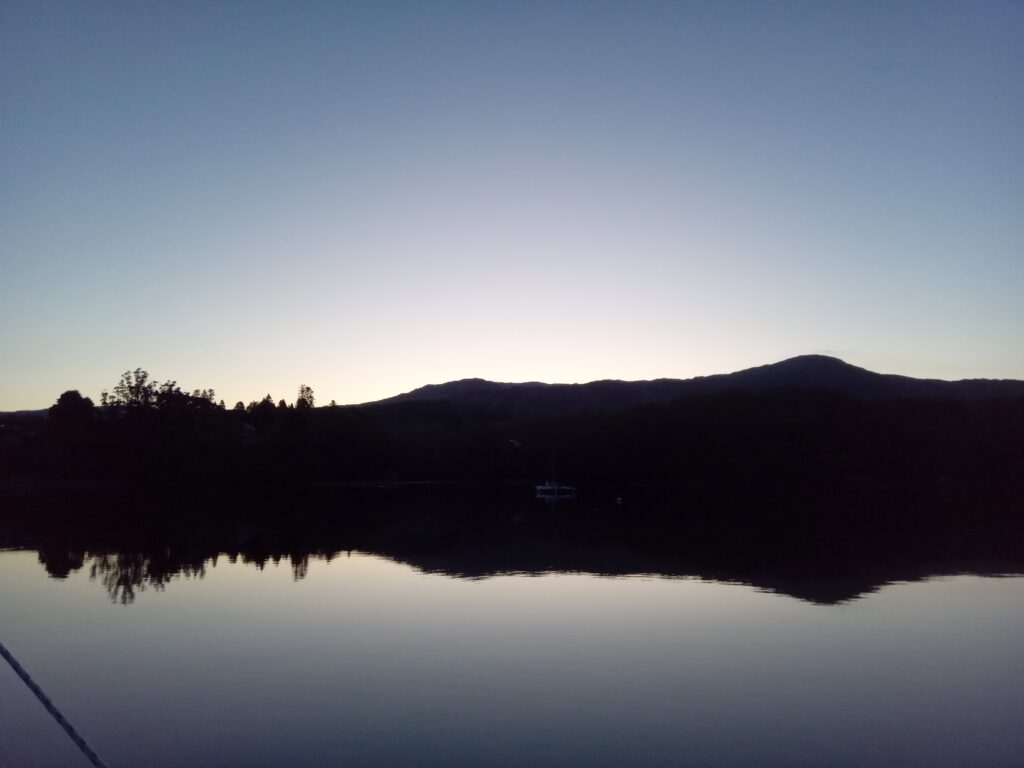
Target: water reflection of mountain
column 823, row 550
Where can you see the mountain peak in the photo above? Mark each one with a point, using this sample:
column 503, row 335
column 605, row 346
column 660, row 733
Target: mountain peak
column 809, row 372
column 816, row 361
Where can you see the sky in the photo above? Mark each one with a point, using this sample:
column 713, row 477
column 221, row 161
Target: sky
column 369, row 197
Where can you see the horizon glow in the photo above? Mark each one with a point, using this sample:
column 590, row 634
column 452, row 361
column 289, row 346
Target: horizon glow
column 367, row 198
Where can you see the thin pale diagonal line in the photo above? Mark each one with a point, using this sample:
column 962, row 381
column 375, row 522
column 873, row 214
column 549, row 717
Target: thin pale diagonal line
column 52, row 709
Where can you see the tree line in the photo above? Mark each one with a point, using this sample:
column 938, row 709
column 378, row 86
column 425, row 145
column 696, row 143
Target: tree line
column 770, row 442
column 136, row 392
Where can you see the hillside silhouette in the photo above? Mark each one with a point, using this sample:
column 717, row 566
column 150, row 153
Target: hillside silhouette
column 810, row 422
column 808, row 372
column 809, row 477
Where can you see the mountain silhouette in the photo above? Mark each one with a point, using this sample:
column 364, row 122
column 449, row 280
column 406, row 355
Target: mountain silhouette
column 812, row 421
column 807, row 372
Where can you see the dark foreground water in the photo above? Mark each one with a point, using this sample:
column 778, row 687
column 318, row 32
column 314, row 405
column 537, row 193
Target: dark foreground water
column 350, row 658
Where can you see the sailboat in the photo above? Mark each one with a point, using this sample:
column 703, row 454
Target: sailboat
column 553, row 490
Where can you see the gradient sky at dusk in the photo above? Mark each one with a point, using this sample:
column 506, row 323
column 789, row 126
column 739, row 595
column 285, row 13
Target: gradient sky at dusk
column 370, row 197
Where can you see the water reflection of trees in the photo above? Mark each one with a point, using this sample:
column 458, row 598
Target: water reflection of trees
column 822, row 550
column 124, row 574
column 299, row 561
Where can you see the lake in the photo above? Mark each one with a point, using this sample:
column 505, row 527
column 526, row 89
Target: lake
column 347, row 657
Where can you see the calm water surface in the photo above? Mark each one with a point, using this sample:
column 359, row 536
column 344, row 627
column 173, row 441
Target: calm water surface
column 370, row 662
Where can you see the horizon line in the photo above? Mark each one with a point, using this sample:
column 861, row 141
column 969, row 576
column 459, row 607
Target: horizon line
column 538, row 382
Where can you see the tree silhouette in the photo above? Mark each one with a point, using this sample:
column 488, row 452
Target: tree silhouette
column 262, row 414
column 71, row 409
column 305, row 398
column 134, row 390
column 171, row 397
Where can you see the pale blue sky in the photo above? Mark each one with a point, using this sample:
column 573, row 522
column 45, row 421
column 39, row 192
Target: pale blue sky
column 370, row 197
